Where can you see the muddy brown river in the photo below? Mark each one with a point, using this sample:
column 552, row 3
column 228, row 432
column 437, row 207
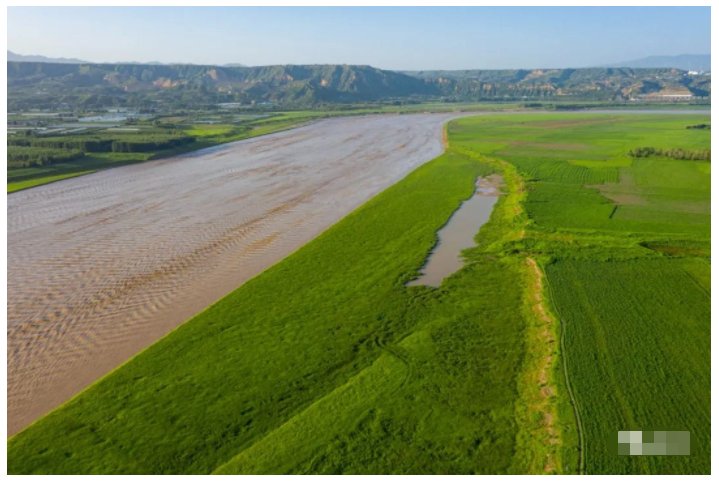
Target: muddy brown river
column 101, row 266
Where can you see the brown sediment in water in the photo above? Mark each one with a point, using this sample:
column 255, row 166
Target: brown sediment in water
column 101, row 266
column 459, row 232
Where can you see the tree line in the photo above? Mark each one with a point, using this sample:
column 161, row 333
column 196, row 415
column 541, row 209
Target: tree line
column 675, row 153
column 124, row 143
column 26, row 156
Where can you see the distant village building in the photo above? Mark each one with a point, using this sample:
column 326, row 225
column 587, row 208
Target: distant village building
column 670, row 94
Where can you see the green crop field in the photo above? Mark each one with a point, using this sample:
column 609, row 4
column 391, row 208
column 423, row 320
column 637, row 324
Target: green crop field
column 626, row 248
column 583, row 310
column 582, row 177
column 637, row 339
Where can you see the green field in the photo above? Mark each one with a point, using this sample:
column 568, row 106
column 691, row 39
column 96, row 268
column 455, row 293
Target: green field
column 626, row 248
column 328, row 363
column 313, row 332
column 637, row 340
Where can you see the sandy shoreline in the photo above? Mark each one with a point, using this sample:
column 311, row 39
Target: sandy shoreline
column 101, row 266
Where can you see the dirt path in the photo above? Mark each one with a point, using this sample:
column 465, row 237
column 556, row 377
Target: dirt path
column 545, row 349
column 101, row 266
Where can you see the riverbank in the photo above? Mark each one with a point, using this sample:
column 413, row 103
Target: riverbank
column 194, row 228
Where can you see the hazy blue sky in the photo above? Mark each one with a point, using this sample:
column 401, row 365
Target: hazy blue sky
column 392, row 38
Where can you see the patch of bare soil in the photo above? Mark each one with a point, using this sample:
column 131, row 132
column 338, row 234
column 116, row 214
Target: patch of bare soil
column 624, row 192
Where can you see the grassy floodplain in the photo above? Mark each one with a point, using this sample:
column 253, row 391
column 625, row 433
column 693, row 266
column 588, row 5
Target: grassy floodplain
column 328, row 363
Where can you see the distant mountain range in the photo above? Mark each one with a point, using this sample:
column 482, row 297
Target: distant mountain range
column 698, row 63
column 91, row 86
column 693, row 62
column 13, row 57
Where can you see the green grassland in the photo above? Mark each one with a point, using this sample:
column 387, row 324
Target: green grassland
column 415, row 380
column 328, row 363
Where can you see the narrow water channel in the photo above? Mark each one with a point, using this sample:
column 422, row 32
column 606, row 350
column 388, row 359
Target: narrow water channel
column 458, row 234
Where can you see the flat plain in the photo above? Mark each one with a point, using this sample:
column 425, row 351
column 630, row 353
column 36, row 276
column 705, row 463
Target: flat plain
column 582, row 311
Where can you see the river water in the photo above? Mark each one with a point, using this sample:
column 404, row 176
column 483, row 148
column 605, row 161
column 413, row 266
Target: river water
column 101, row 266
column 459, row 232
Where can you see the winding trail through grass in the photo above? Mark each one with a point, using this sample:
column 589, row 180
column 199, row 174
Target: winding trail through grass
column 581, row 467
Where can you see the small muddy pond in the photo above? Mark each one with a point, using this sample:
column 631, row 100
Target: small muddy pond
column 458, row 234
